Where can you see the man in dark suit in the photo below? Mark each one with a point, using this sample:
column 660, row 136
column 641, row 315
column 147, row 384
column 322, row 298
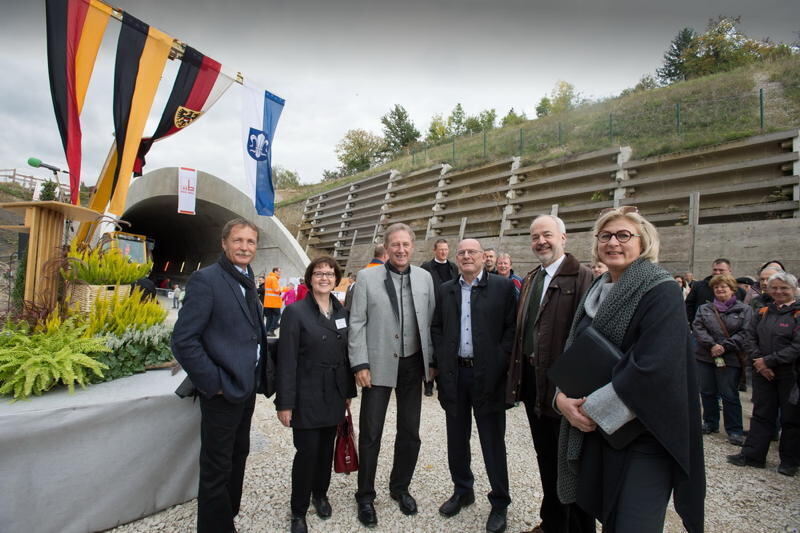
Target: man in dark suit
column 220, row 341
column 473, row 333
column 441, row 270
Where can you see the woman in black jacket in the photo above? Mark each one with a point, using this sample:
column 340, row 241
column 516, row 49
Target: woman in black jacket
column 776, row 356
column 651, row 399
column 721, row 331
column 314, row 386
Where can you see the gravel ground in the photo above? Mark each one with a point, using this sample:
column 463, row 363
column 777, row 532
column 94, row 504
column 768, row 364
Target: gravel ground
column 739, row 499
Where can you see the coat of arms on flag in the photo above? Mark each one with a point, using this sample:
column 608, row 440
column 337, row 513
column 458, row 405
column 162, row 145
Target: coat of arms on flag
column 258, row 144
column 185, row 116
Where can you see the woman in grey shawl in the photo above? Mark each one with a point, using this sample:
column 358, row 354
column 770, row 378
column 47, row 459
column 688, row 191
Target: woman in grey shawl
column 653, row 390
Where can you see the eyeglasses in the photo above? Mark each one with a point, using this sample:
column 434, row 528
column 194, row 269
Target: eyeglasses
column 623, row 210
column 471, row 253
column 320, row 275
column 621, row 236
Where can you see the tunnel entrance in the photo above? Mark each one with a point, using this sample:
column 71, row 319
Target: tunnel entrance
column 190, row 241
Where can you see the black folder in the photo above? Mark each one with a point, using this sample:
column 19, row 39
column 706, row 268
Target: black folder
column 586, row 366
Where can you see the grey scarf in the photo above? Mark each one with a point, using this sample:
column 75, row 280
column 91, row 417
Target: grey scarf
column 612, row 320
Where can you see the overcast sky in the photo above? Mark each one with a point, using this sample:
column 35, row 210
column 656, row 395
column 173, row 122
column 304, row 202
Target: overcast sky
column 342, row 64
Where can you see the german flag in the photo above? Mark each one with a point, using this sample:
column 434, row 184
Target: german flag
column 74, row 32
column 142, row 53
column 197, row 87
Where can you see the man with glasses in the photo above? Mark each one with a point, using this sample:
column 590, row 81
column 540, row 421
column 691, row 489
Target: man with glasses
column 550, row 295
column 390, row 348
column 472, row 331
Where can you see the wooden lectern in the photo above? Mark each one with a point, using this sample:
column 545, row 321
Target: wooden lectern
column 45, row 223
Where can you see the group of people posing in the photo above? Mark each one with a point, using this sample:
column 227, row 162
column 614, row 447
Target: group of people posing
column 488, row 340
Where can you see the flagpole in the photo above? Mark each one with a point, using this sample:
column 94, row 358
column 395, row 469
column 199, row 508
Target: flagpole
column 178, row 46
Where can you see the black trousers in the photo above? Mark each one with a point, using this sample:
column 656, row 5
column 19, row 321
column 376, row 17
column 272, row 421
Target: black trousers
column 492, row 435
column 311, row 469
column 374, row 401
column 556, row 517
column 272, row 317
column 768, row 398
column 224, row 445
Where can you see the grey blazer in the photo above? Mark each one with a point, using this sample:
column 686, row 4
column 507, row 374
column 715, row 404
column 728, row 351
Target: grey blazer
column 374, row 340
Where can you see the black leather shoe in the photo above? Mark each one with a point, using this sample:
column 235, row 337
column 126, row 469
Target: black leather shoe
column 299, row 524
column 707, row 430
column 741, row 459
column 497, row 521
column 456, row 502
column 429, row 388
column 322, row 506
column 366, row 514
column 787, row 470
column 407, row 503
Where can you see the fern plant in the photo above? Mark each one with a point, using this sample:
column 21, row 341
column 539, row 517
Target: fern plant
column 33, row 361
column 97, row 267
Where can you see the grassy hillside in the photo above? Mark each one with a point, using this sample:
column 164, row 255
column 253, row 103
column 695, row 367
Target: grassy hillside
column 687, row 115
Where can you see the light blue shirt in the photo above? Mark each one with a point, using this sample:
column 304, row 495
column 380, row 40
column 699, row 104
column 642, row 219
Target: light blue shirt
column 465, row 339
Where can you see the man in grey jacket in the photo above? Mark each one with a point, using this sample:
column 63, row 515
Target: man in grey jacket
column 390, row 348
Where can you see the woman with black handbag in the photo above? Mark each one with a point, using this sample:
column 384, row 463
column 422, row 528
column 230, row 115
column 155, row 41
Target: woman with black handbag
column 721, row 331
column 637, row 307
column 314, row 386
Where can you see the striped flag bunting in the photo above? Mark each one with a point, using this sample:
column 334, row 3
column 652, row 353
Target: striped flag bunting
column 260, row 113
column 142, row 53
column 198, row 85
column 75, row 30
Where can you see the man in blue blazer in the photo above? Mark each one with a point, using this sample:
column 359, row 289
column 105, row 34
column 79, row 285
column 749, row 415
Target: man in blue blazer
column 220, row 341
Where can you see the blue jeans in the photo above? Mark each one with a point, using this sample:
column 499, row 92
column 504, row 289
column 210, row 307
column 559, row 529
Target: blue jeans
column 715, row 382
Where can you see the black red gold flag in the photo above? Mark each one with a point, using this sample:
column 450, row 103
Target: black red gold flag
column 198, row 85
column 74, row 32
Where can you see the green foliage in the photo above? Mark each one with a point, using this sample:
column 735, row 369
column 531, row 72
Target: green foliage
column 673, row 68
column 456, row 121
column 564, row 97
column 15, row 190
column 646, row 83
column 472, row 124
column 135, row 350
column 48, row 191
column 398, row 130
column 512, row 118
column 544, row 107
column 18, row 292
column 283, row 178
column 723, row 48
column 34, row 361
column 437, row 131
column 117, row 315
column 97, row 267
column 359, row 150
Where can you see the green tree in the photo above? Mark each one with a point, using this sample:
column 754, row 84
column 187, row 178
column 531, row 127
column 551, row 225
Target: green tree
column 544, row 107
column 359, row 150
column 723, row 47
column 512, row 118
column 437, row 130
column 398, row 130
column 456, row 121
column 472, row 124
column 283, row 178
column 564, row 97
column 673, row 69
column 646, row 83
column 48, row 191
column 488, row 119
column 329, row 175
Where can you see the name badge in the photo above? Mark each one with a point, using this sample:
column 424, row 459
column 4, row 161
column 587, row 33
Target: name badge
column 341, row 323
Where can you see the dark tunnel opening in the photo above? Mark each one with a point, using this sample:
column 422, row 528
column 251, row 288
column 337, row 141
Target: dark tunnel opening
column 187, row 241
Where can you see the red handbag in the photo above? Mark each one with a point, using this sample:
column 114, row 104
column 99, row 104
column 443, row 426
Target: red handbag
column 345, row 456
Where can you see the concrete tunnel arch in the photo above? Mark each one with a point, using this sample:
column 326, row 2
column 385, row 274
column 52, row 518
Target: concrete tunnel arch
column 152, row 209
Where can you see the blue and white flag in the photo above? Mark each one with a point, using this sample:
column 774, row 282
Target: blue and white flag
column 260, row 113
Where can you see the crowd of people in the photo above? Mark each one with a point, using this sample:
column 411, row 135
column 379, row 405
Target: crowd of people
column 617, row 431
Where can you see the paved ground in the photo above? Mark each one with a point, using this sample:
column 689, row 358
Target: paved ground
column 743, row 500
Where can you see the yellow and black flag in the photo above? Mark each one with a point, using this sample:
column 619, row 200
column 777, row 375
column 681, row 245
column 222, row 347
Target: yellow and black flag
column 142, row 53
column 74, row 32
